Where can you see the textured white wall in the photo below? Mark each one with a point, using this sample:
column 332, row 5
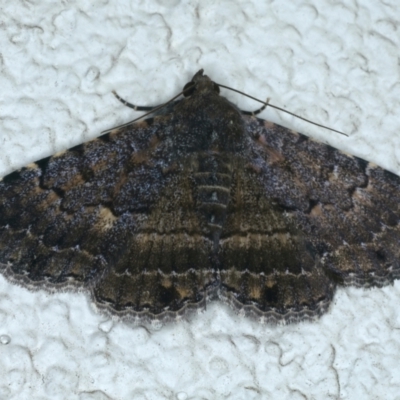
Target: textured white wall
column 333, row 62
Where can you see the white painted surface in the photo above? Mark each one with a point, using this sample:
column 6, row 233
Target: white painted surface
column 333, row 62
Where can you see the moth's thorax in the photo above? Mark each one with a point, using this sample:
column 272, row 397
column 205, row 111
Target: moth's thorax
column 207, row 121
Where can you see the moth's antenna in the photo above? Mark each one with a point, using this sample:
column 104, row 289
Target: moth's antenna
column 139, row 108
column 280, row 109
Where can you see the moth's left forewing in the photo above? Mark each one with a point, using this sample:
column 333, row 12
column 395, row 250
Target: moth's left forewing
column 68, row 209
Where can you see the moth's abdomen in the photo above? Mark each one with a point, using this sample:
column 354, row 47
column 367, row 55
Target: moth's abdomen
column 212, row 200
column 212, row 187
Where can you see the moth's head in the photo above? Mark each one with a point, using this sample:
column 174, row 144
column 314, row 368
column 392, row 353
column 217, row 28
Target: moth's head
column 200, row 83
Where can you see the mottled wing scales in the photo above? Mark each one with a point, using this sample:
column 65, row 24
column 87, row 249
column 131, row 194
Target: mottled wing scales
column 348, row 208
column 268, row 268
column 97, row 216
column 165, row 269
column 31, row 225
column 369, row 253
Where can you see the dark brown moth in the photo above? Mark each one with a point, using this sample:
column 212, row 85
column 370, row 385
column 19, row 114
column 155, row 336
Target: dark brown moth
column 200, row 202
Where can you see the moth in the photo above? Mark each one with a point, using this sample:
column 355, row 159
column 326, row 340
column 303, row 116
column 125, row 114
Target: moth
column 201, row 201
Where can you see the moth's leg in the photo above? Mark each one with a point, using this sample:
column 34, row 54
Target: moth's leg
column 258, row 110
column 130, row 105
